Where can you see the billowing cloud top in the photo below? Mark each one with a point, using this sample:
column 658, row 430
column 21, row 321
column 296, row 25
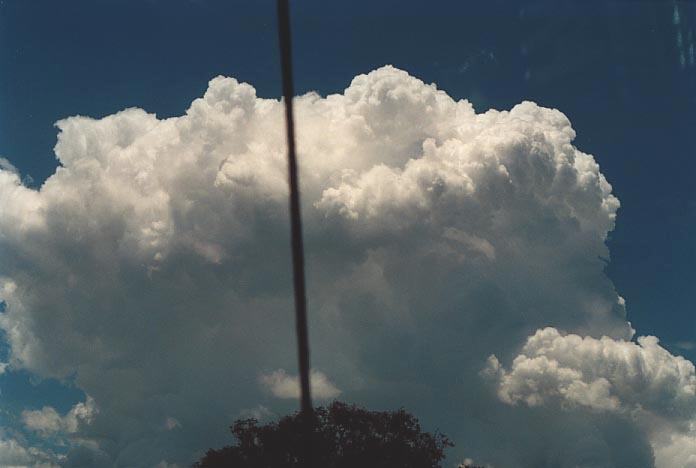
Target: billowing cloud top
column 153, row 268
column 601, row 373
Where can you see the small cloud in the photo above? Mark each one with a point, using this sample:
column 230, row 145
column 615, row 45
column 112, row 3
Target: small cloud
column 469, row 462
column 209, row 251
column 283, row 385
column 260, row 413
column 171, row 423
column 47, row 421
column 166, row 464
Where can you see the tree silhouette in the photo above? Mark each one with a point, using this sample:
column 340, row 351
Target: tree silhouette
column 344, row 436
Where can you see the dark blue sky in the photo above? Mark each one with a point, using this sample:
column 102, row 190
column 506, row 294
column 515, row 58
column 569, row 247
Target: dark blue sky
column 623, row 73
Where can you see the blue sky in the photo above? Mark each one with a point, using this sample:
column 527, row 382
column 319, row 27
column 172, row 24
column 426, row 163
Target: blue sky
column 622, row 72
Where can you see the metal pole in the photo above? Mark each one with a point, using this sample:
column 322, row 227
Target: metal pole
column 296, row 228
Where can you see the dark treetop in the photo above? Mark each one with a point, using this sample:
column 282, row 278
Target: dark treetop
column 344, row 436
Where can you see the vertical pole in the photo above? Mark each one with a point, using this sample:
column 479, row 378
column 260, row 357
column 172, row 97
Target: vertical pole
column 296, row 228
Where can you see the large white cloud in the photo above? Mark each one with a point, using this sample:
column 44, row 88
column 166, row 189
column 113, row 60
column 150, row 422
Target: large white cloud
column 153, row 267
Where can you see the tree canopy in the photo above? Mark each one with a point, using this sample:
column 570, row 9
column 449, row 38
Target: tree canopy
column 343, row 436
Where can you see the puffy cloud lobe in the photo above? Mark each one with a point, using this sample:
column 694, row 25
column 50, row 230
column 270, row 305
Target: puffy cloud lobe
column 58, row 431
column 642, row 380
column 7, row 166
column 153, row 265
column 15, row 454
column 171, row 423
column 449, row 173
column 622, row 373
column 283, row 385
column 49, row 422
column 676, row 449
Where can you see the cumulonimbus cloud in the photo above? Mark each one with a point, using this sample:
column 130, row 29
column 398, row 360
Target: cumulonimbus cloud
column 153, row 268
